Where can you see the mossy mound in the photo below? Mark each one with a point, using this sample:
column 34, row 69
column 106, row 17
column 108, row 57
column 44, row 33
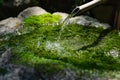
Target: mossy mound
column 50, row 49
column 35, row 21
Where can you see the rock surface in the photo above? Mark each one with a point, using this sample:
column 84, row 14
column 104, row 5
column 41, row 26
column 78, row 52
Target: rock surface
column 9, row 25
column 5, row 58
column 14, row 72
column 82, row 20
column 62, row 14
column 31, row 11
column 18, row 72
column 87, row 21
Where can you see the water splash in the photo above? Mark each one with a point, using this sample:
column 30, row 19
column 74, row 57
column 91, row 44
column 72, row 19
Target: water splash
column 54, row 46
column 66, row 21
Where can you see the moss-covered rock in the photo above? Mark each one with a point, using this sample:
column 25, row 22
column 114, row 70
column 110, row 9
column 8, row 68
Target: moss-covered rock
column 53, row 48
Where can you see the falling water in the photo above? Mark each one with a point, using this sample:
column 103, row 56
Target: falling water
column 56, row 45
column 65, row 22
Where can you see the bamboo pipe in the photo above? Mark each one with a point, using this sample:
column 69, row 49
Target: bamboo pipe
column 90, row 4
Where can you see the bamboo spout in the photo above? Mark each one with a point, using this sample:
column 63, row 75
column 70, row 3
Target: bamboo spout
column 89, row 5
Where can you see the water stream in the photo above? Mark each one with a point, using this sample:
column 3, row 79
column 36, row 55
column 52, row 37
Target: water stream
column 66, row 21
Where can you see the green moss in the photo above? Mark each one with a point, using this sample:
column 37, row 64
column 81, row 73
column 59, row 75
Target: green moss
column 44, row 19
column 112, row 39
column 75, row 47
column 33, row 22
column 44, row 42
column 32, row 60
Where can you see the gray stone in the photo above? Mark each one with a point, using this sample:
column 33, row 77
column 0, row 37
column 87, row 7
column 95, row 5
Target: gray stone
column 98, row 24
column 1, row 78
column 5, row 58
column 31, row 11
column 88, row 21
column 79, row 20
column 62, row 14
column 9, row 25
column 15, row 72
column 19, row 73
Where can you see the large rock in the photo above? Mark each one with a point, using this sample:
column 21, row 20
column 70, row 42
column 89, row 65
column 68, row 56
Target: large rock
column 18, row 72
column 87, row 21
column 31, row 11
column 14, row 72
column 9, row 25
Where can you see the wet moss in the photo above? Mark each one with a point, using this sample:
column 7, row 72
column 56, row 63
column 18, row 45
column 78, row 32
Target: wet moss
column 75, row 46
column 35, row 21
column 44, row 42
